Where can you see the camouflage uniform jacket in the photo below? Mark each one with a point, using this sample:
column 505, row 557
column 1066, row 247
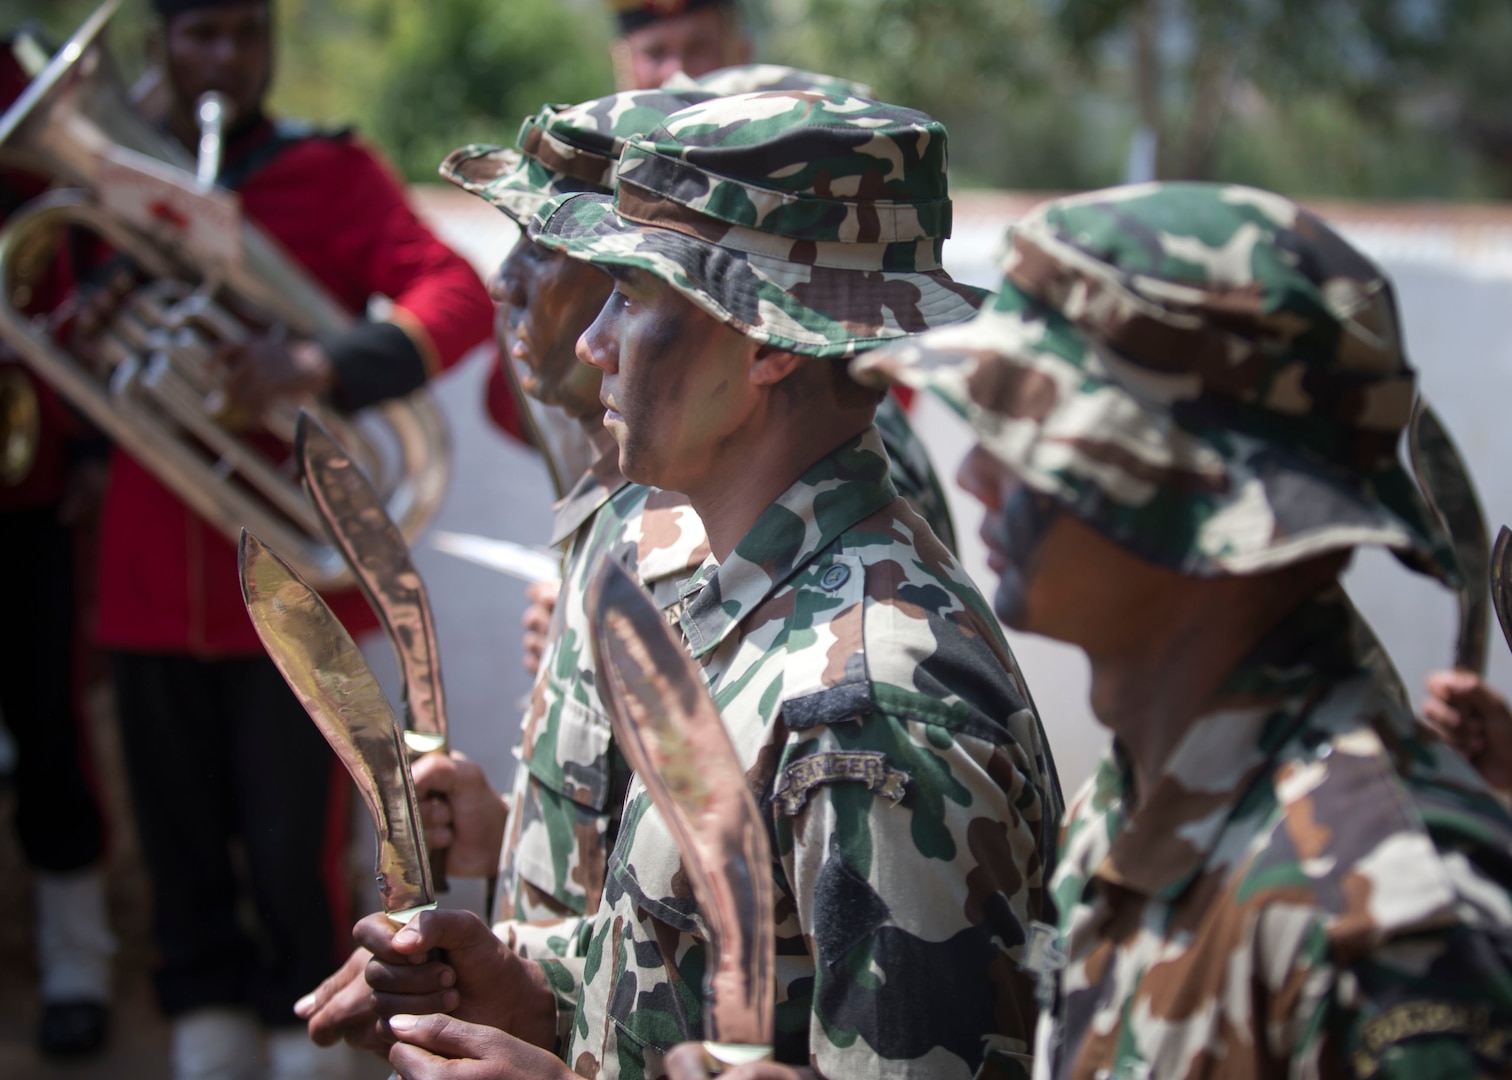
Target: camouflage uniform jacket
column 570, row 783
column 908, row 789
column 1311, row 889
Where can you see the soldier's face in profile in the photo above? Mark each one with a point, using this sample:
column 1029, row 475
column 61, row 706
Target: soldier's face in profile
column 1014, row 529
column 546, row 301
column 1058, row 576
column 695, row 43
column 225, row 49
column 674, row 381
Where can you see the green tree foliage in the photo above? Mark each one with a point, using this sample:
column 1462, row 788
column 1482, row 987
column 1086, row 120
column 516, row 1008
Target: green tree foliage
column 1375, row 98
column 422, row 78
column 992, row 70
column 1313, row 94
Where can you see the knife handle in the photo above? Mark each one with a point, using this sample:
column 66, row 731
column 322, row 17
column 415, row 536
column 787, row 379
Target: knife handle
column 417, row 745
column 438, row 866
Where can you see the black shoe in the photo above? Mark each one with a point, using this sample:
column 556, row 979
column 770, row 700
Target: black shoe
column 72, row 1028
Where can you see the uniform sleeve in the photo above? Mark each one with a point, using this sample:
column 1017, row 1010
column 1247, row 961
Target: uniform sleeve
column 911, row 853
column 560, row 949
column 545, row 940
column 1434, row 1004
column 440, row 308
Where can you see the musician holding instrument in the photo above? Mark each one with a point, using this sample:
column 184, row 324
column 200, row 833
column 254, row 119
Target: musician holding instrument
column 218, row 750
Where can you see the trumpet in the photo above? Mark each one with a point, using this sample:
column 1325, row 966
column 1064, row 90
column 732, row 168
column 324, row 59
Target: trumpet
column 149, row 379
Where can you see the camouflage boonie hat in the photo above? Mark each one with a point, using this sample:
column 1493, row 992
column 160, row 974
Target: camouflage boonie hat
column 1207, row 374
column 562, row 149
column 807, row 222
column 749, row 78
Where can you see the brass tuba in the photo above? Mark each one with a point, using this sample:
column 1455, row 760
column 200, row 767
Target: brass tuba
column 151, row 383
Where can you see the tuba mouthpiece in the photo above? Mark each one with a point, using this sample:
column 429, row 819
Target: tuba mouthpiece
column 213, row 110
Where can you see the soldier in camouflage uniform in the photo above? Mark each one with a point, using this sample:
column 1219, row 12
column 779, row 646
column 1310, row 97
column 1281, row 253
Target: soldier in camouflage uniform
column 568, row 790
column 866, row 687
column 1189, row 399
column 571, row 780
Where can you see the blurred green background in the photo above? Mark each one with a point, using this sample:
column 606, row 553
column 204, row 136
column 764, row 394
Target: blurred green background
column 1346, row 98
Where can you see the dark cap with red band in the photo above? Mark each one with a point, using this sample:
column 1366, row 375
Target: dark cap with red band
column 633, row 14
column 169, row 9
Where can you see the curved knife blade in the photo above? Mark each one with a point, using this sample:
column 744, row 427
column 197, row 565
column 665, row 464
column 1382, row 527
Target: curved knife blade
column 1446, row 483
column 372, row 545
column 672, row 735
column 322, row 665
column 1501, row 581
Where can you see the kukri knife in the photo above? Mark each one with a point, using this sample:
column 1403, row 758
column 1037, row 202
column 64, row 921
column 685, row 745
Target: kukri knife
column 323, row 666
column 1446, row 484
column 1501, row 581
column 671, row 732
column 372, row 545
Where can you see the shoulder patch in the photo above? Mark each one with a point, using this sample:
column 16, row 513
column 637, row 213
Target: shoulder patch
column 1423, row 1019
column 867, row 767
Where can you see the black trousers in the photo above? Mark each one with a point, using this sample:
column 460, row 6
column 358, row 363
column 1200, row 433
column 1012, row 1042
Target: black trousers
column 57, row 812
column 234, row 790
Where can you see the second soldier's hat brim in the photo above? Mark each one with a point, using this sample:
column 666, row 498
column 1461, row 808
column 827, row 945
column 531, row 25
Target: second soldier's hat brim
column 502, row 177
column 773, row 296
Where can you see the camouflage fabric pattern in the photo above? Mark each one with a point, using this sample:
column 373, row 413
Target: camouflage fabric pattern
column 570, row 784
column 807, row 222
column 749, row 78
column 912, row 472
column 1205, row 373
column 1312, row 888
column 909, row 792
column 562, row 149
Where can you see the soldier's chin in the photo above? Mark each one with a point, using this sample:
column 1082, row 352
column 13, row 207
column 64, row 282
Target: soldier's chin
column 1010, row 602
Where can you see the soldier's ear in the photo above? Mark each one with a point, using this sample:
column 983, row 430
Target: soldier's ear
column 770, row 365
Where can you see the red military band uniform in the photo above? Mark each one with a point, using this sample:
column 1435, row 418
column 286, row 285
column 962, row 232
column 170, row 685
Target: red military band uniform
column 217, row 749
column 168, row 581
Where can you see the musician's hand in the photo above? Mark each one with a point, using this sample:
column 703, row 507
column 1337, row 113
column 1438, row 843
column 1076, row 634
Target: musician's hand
column 1475, row 720
column 686, row 1062
column 440, row 1047
column 543, row 600
column 264, row 371
column 342, row 1008
column 462, row 815
column 481, row 980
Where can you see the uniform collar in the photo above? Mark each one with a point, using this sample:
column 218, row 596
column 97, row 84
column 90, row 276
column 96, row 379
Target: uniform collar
column 592, row 490
column 836, row 492
column 1161, row 847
